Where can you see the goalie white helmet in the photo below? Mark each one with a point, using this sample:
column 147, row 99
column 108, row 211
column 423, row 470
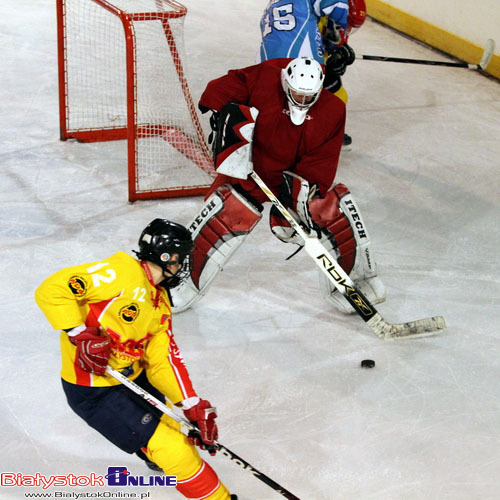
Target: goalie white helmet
column 302, row 81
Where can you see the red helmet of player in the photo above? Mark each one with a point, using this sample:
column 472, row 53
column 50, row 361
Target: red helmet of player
column 356, row 16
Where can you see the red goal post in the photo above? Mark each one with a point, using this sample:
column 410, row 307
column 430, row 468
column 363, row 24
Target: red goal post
column 121, row 76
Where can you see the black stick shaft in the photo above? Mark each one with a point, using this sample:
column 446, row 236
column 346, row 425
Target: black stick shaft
column 415, row 61
column 259, row 475
column 225, row 451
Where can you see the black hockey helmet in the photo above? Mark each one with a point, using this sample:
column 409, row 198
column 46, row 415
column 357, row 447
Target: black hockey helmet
column 159, row 241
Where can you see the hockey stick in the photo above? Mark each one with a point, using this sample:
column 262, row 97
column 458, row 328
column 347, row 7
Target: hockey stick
column 485, row 60
column 190, row 427
column 346, row 286
column 237, row 162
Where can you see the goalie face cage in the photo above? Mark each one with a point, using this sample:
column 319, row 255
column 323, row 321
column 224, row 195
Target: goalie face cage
column 121, row 77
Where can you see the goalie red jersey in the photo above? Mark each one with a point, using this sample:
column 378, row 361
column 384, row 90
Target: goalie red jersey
column 276, row 119
column 310, row 149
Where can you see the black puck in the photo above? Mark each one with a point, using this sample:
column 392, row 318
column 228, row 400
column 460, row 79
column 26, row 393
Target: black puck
column 367, row 363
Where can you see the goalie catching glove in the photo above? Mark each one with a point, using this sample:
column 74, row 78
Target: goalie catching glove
column 92, row 349
column 295, row 194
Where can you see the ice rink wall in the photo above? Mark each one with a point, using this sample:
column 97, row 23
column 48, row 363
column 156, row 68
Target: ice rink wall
column 458, row 27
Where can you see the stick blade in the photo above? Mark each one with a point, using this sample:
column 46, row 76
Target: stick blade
column 488, row 53
column 419, row 328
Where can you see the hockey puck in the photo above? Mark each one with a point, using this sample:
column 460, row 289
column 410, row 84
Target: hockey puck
column 367, row 363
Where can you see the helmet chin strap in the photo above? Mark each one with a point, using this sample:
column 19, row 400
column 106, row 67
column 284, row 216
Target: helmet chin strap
column 170, row 274
column 166, row 273
column 173, row 279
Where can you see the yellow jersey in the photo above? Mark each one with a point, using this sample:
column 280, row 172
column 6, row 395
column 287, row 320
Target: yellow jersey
column 118, row 296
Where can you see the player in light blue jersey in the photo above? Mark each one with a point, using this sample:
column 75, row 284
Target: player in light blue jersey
column 290, row 27
column 313, row 28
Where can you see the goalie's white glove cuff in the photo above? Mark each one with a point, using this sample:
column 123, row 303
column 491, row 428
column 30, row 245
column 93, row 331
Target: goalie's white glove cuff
column 190, row 402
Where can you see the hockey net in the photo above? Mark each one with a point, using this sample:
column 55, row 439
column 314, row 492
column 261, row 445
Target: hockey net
column 121, row 76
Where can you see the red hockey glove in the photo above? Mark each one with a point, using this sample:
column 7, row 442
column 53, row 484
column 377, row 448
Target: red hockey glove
column 92, row 349
column 203, row 415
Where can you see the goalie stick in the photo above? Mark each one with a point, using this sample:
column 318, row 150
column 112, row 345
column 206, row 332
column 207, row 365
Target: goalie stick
column 236, row 161
column 346, row 286
column 485, row 60
column 192, row 428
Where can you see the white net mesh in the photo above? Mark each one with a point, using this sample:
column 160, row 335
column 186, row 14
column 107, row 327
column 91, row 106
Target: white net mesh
column 170, row 152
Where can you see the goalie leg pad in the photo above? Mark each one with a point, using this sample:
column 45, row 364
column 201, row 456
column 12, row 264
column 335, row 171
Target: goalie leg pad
column 345, row 233
column 219, row 229
column 329, row 215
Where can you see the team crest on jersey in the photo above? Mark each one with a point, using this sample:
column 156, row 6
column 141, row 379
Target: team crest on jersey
column 129, row 313
column 129, row 349
column 77, row 285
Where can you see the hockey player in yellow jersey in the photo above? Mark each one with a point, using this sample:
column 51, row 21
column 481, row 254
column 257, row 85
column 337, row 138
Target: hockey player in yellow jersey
column 118, row 312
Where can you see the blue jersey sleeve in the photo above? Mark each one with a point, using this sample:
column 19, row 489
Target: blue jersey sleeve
column 336, row 10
